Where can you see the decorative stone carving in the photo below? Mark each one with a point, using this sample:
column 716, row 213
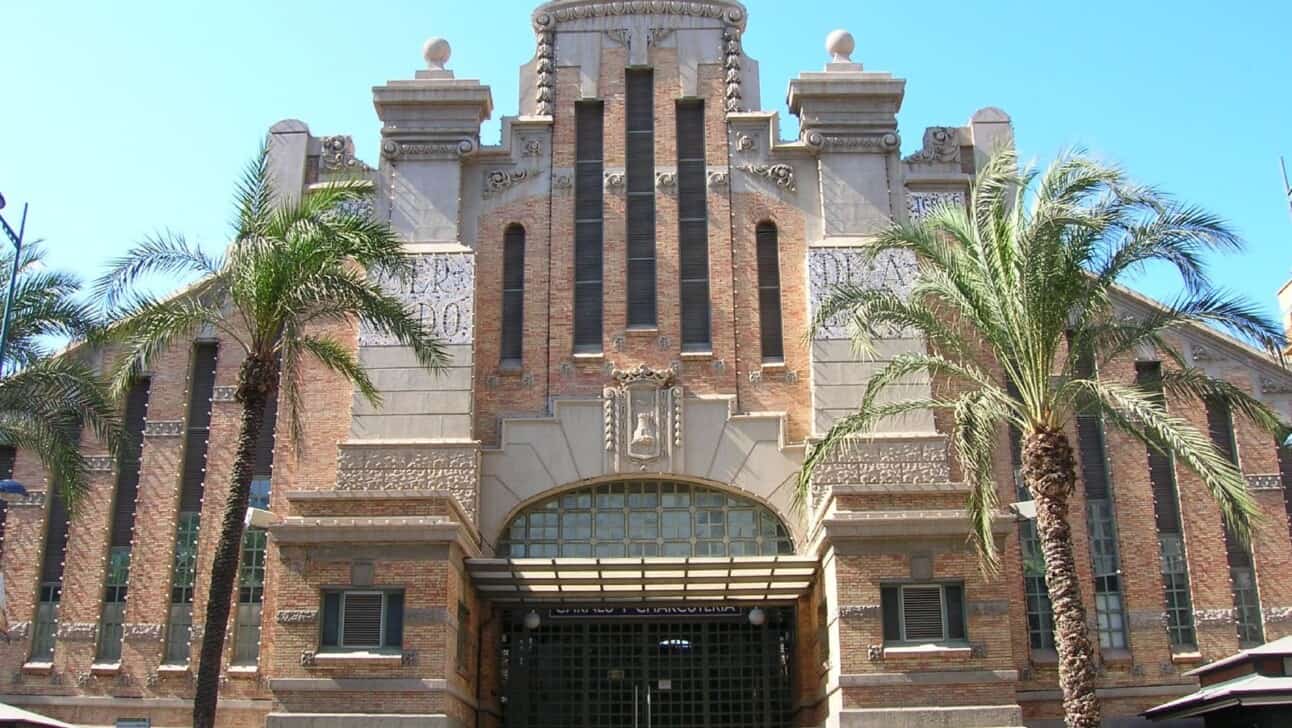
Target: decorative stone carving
column 616, row 181
column 1270, row 385
column 940, row 145
column 920, row 204
column 875, row 653
column 1265, row 481
column 164, row 428
column 791, row 376
column 441, row 288
column 719, row 179
column 141, row 632
column 656, row 36
column 224, row 394
column 642, row 416
column 152, row 679
column 411, row 467
column 338, row 155
column 408, row 658
column 829, row 268
column 731, row 68
column 887, row 461
column 884, row 143
column 99, row 463
column 533, row 148
column 622, row 36
column 307, row 658
column 296, row 616
column 30, row 499
column 1138, row 670
column 1212, row 617
column 745, row 142
column 77, row 631
column 1277, row 615
column 450, row 149
column 549, row 19
column 978, row 650
column 781, row 174
column 756, row 376
column 19, row 631
column 498, row 181
column 562, row 183
column 666, row 181
column 1203, row 353
column 860, row 611
column 545, row 72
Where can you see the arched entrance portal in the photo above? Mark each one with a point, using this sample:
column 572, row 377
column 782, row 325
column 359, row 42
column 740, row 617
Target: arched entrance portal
column 641, row 603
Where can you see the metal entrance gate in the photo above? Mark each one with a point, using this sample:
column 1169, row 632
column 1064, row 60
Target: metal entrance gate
column 647, row 668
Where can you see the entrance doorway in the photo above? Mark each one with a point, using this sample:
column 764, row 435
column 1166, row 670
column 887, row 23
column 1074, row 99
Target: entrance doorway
column 648, row 667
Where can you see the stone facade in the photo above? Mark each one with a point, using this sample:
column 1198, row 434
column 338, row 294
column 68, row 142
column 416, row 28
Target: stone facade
column 409, row 494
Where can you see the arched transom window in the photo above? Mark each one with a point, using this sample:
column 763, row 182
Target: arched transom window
column 645, row 518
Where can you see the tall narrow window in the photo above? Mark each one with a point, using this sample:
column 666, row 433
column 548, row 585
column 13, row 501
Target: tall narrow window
column 639, row 121
column 8, row 456
column 588, row 223
column 251, row 573
column 693, row 226
column 1285, row 476
column 513, row 294
column 1040, row 612
column 179, row 623
column 51, row 578
column 1101, row 522
column 1242, row 572
column 112, row 618
column 769, row 292
column 1170, row 530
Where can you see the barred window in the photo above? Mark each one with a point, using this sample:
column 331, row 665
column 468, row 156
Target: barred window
column 179, row 624
column 513, row 294
column 639, row 173
column 693, row 226
column 645, row 518
column 588, row 225
column 1242, row 575
column 1166, row 511
column 251, row 594
column 355, row 619
column 915, row 613
column 1040, row 612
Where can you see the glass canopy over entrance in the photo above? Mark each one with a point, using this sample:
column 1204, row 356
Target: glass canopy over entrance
column 645, row 518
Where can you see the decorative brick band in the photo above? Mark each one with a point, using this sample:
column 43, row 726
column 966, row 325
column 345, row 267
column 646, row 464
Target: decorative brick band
column 224, row 394
column 296, row 616
column 1277, row 615
column 1211, row 617
column 99, row 463
column 410, row 467
column 164, row 428
column 31, row 499
column 1265, row 481
column 859, row 610
column 78, row 631
column 142, row 632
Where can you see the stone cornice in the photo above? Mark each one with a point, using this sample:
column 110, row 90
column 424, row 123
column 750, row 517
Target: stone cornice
column 358, row 529
column 549, row 15
column 929, row 523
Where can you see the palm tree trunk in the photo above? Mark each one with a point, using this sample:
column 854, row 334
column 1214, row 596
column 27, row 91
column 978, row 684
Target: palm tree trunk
column 1050, row 473
column 257, row 382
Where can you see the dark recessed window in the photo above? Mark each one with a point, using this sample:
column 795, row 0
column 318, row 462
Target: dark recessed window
column 639, row 171
column 693, row 226
column 363, row 619
column 588, row 224
column 513, row 294
column 923, row 612
column 769, row 292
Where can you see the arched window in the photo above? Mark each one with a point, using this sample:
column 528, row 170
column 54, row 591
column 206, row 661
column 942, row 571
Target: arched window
column 769, row 292
column 645, row 518
column 513, row 294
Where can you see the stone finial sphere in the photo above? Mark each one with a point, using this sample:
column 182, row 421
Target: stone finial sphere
column 436, row 51
column 840, row 44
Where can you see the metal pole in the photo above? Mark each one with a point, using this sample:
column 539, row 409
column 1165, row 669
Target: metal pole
column 13, row 279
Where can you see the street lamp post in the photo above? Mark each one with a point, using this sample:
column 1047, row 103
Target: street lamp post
column 16, row 240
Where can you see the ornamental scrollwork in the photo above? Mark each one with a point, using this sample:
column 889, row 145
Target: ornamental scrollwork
column 940, row 145
column 616, row 181
column 498, row 181
column 451, row 149
column 545, row 73
column 731, row 52
column 781, row 174
column 296, row 616
column 338, row 155
column 164, row 428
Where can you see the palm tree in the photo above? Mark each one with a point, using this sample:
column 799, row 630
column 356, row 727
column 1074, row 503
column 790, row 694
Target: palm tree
column 293, row 264
column 1023, row 283
column 46, row 400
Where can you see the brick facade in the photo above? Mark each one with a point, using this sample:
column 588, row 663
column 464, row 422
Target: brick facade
column 412, row 497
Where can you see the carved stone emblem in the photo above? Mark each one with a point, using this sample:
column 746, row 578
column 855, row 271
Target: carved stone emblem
column 441, row 289
column 940, row 145
column 165, row 428
column 643, row 417
column 224, row 394
column 829, row 268
column 615, row 181
column 781, row 174
column 338, row 155
column 719, row 178
column 296, row 616
column 499, row 181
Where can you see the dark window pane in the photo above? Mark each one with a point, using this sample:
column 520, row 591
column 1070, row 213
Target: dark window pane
column 693, row 235
column 955, row 611
column 891, row 607
column 395, row 619
column 588, row 225
column 769, row 291
column 331, row 618
column 513, row 293
column 639, row 169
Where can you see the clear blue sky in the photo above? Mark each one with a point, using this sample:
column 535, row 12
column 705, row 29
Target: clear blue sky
column 120, row 118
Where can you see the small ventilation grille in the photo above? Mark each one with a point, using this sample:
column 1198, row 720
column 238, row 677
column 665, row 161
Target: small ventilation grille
column 362, row 626
column 922, row 613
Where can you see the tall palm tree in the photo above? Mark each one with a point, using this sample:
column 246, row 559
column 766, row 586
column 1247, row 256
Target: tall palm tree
column 46, row 400
column 294, row 263
column 1023, row 283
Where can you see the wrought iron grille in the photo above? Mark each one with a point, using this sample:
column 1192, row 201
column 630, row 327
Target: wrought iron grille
column 626, row 672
